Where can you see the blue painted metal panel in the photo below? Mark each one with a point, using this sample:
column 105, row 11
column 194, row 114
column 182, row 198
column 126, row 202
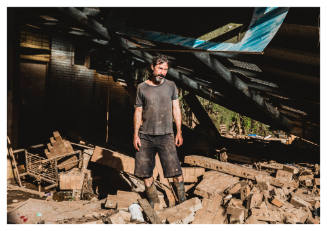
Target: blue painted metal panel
column 263, row 27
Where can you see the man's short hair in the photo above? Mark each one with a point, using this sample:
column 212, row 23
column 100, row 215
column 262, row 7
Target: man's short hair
column 159, row 59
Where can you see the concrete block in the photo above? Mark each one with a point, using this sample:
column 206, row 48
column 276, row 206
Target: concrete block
column 214, row 183
column 254, row 200
column 182, row 213
column 292, row 169
column 117, row 218
column 211, row 212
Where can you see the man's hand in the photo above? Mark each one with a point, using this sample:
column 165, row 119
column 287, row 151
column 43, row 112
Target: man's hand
column 178, row 139
column 137, row 142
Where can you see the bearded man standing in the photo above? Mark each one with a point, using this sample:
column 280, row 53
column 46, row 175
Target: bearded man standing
column 155, row 107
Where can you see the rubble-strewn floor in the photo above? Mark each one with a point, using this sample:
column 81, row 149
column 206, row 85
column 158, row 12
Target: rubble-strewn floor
column 223, row 189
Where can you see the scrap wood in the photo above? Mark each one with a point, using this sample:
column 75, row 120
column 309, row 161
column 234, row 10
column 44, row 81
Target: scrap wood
column 149, row 211
column 233, row 169
column 13, row 162
column 14, row 187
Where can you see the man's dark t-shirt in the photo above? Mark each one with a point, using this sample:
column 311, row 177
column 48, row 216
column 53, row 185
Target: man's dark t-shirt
column 156, row 103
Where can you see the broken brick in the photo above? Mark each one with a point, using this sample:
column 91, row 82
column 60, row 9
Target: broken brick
column 214, row 183
column 211, row 212
column 182, row 213
column 277, row 202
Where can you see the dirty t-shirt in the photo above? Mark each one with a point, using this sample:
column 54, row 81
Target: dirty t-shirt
column 156, row 103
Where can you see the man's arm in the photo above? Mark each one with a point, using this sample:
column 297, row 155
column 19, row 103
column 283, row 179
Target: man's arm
column 137, row 125
column 178, row 121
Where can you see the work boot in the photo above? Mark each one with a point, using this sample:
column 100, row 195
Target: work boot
column 180, row 190
column 152, row 194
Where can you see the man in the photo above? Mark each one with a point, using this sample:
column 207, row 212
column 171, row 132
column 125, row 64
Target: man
column 156, row 105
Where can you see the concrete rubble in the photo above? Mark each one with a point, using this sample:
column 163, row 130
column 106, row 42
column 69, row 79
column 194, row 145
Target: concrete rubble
column 218, row 192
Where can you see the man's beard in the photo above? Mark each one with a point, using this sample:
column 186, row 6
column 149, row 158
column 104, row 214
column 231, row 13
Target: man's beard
column 158, row 79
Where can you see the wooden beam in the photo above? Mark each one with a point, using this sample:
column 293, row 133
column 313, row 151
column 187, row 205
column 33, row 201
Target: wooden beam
column 234, row 170
column 149, row 212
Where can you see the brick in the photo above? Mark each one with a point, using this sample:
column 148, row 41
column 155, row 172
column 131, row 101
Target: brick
column 113, row 159
column 182, row 213
column 277, row 202
column 232, row 169
column 214, row 183
column 211, row 212
column 71, row 180
column 284, row 175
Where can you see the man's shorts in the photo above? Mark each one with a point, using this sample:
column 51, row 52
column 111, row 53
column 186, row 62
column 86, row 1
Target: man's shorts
column 164, row 145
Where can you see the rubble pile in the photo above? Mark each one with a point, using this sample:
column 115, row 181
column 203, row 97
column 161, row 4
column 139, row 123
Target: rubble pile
column 218, row 192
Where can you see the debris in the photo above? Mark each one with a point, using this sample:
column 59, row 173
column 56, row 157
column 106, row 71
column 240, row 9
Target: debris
column 245, row 192
column 149, row 212
column 214, row 183
column 284, row 175
column 71, row 180
column 52, row 212
column 290, row 168
column 14, row 187
column 236, row 215
column 254, row 199
column 298, row 202
column 277, row 202
column 231, row 169
column 136, row 213
column 113, row 159
column 191, row 174
column 116, row 218
column 182, row 213
column 211, row 212
column 111, row 202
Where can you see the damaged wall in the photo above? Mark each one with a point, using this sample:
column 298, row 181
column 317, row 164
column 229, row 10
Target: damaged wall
column 59, row 95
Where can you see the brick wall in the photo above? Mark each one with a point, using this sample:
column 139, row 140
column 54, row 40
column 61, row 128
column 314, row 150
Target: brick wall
column 81, row 99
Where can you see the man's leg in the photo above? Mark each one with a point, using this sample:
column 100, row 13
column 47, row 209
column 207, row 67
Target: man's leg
column 151, row 191
column 180, row 189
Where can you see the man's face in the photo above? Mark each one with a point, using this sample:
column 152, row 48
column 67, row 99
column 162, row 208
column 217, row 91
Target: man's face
column 159, row 72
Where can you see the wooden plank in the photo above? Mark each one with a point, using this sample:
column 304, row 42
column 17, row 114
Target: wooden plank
column 163, row 180
column 13, row 162
column 149, row 212
column 233, row 169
